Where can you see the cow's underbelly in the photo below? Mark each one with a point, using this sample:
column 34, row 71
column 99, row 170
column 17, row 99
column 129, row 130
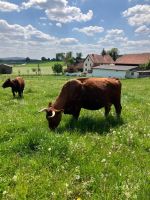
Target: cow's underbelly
column 92, row 106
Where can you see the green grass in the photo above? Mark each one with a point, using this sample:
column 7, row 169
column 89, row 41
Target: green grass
column 92, row 158
column 26, row 69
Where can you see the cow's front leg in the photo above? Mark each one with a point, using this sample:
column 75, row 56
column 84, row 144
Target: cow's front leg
column 76, row 113
column 13, row 93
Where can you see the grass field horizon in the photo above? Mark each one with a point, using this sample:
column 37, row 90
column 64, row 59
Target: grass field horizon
column 27, row 68
column 92, row 158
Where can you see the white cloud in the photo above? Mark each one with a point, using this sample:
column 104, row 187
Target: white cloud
column 132, row 1
column 29, row 41
column 138, row 15
column 143, row 29
column 68, row 41
column 59, row 25
column 115, row 32
column 17, row 32
column 59, row 10
column 68, row 14
column 116, row 38
column 43, row 18
column 113, row 37
column 136, row 46
column 90, row 31
column 8, row 7
column 44, row 4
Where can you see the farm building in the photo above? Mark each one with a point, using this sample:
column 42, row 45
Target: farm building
column 5, row 69
column 93, row 60
column 133, row 59
column 143, row 73
column 115, row 71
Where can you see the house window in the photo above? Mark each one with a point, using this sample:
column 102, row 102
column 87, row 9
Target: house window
column 132, row 73
column 86, row 64
column 85, row 69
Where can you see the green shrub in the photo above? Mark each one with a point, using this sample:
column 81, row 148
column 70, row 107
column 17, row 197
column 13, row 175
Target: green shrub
column 57, row 68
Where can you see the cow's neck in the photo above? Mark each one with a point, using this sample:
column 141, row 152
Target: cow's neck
column 12, row 85
column 60, row 102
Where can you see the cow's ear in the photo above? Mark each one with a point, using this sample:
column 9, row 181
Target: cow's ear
column 49, row 105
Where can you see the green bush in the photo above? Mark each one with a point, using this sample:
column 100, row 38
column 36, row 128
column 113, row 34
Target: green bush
column 145, row 66
column 57, row 68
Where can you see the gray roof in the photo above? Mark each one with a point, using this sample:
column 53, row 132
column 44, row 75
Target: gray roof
column 116, row 67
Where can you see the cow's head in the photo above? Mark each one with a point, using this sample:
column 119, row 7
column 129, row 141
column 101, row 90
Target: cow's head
column 7, row 83
column 53, row 116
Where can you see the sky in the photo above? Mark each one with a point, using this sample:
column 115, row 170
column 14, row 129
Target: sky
column 37, row 28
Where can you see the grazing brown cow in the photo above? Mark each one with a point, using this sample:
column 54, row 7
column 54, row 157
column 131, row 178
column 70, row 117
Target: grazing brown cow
column 17, row 85
column 88, row 93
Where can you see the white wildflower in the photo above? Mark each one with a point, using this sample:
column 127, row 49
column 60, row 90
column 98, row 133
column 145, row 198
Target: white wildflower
column 103, row 160
column 14, row 178
column 4, row 192
column 49, row 149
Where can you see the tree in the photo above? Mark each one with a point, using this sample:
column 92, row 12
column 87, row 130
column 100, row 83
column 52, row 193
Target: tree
column 114, row 53
column 27, row 59
column 57, row 68
column 69, row 59
column 60, row 56
column 69, row 54
column 103, row 53
column 145, row 66
column 78, row 57
column 43, row 59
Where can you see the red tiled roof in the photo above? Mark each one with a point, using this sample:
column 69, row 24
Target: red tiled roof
column 99, row 59
column 136, row 59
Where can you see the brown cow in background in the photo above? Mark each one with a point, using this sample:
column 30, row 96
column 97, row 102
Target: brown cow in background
column 17, row 85
column 88, row 93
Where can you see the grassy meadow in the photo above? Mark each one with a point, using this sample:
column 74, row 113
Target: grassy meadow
column 91, row 159
column 27, row 68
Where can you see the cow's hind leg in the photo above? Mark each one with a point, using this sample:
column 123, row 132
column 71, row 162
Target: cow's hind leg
column 118, row 109
column 20, row 94
column 107, row 110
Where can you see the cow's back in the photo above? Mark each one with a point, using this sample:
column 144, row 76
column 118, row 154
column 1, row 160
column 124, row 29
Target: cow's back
column 98, row 92
column 19, row 82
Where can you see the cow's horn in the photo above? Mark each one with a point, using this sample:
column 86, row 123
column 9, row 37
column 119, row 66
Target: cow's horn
column 53, row 114
column 43, row 110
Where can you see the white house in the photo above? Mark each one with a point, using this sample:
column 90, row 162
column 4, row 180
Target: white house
column 115, row 71
column 93, row 60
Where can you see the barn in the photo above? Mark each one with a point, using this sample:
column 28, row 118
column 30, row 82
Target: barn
column 5, row 69
column 133, row 59
column 115, row 71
